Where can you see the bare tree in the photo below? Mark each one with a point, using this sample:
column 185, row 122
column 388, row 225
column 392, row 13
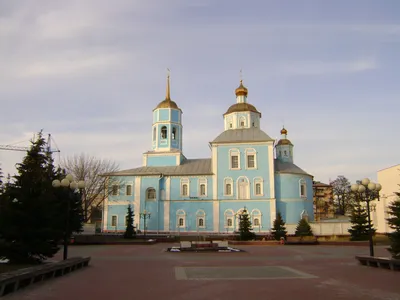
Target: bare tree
column 343, row 197
column 90, row 169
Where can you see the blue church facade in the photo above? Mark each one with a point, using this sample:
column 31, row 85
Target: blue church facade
column 247, row 169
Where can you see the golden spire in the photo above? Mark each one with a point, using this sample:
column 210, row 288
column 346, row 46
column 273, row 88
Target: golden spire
column 168, row 97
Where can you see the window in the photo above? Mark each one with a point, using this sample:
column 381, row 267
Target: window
column 184, row 187
column 256, row 216
column 174, row 133
column 228, row 182
column 180, row 218
column 303, row 188
column 234, row 159
column 258, row 186
column 154, row 133
column 114, row 221
column 115, row 189
column 230, row 125
column 256, row 222
column 253, row 124
column 200, row 216
column 242, row 122
column 243, row 188
column 251, row 158
column 202, row 187
column 285, row 153
column 229, row 218
column 151, row 194
column 164, row 132
column 230, row 222
column 128, row 191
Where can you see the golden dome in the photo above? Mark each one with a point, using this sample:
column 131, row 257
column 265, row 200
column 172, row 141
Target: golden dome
column 241, row 90
column 167, row 103
column 242, row 106
column 284, row 142
column 283, row 131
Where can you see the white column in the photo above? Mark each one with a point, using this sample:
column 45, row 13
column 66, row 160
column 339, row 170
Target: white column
column 136, row 200
column 167, row 203
column 214, row 158
column 105, row 205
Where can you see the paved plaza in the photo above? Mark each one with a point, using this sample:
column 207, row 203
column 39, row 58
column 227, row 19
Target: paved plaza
column 122, row 272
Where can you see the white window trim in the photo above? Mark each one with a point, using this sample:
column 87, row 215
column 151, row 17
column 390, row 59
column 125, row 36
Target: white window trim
column 256, row 214
column 261, row 182
column 112, row 188
column 161, row 132
column 229, row 214
column 234, row 152
column 116, row 222
column 180, row 214
column 187, row 182
column 238, row 187
column 303, row 182
column 228, row 180
column 200, row 182
column 126, row 187
column 248, row 152
column 200, row 214
column 242, row 118
column 147, row 194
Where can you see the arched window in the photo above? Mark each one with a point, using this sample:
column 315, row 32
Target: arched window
column 201, row 218
column 164, row 132
column 229, row 214
column 180, row 216
column 256, row 222
column 258, row 186
column 303, row 188
column 174, row 133
column 228, row 182
column 242, row 121
column 184, row 187
column 203, row 187
column 230, row 223
column 154, row 133
column 256, row 217
column 243, row 188
column 151, row 194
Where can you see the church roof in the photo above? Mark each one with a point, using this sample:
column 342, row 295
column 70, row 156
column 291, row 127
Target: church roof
column 253, row 134
column 241, row 106
column 287, row 167
column 201, row 166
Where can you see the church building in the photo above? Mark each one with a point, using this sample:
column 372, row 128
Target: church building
column 247, row 170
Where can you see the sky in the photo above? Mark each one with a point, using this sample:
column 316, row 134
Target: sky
column 91, row 72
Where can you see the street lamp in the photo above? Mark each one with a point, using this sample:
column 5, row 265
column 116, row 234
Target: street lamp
column 68, row 182
column 145, row 215
column 367, row 191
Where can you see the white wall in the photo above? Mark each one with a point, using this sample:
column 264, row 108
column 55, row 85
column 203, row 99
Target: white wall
column 324, row 228
column 389, row 178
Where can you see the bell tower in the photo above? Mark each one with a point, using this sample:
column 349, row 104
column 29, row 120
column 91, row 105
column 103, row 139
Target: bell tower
column 166, row 133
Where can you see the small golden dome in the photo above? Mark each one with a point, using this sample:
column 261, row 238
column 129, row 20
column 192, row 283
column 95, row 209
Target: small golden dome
column 242, row 106
column 167, row 103
column 241, row 90
column 284, row 142
column 283, row 131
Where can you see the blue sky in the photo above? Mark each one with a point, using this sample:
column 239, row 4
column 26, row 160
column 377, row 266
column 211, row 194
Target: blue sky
column 90, row 72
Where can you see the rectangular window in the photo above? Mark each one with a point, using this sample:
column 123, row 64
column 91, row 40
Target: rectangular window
column 302, row 190
column 258, row 189
column 235, row 162
column 250, row 161
column 129, row 190
column 184, row 190
column 228, row 189
column 202, row 189
column 114, row 221
column 115, row 189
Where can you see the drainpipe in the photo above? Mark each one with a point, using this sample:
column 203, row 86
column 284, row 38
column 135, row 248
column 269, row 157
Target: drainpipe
column 158, row 203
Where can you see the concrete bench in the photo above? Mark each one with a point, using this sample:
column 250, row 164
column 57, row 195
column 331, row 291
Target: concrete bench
column 301, row 240
column 186, row 245
column 13, row 281
column 380, row 262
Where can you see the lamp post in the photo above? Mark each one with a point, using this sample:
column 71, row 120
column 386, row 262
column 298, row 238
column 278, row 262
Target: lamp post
column 367, row 191
column 68, row 182
column 144, row 215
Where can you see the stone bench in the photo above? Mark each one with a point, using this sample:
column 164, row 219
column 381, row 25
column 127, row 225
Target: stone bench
column 15, row 280
column 380, row 262
column 301, row 240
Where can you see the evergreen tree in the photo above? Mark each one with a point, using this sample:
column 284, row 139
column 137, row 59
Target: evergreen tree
column 130, row 232
column 245, row 227
column 279, row 229
column 359, row 230
column 394, row 223
column 1, row 181
column 303, row 228
column 34, row 213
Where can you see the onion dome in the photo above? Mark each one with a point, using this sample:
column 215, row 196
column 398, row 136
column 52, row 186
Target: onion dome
column 283, row 131
column 242, row 106
column 284, row 141
column 241, row 90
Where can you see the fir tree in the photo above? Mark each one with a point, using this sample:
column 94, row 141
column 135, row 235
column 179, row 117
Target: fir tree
column 34, row 213
column 303, row 228
column 245, row 227
column 130, row 229
column 279, row 229
column 394, row 223
column 359, row 230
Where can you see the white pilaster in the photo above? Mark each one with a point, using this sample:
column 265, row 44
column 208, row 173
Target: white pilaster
column 272, row 201
column 214, row 159
column 167, row 203
column 137, row 200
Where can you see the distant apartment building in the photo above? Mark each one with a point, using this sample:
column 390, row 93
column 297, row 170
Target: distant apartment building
column 323, row 201
column 389, row 178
